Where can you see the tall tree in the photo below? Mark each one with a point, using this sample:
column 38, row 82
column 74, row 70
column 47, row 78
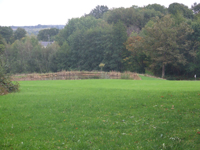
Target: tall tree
column 113, row 58
column 2, row 47
column 175, row 8
column 137, row 59
column 194, row 66
column 47, row 34
column 167, row 43
column 99, row 11
column 19, row 33
column 196, row 8
column 157, row 7
column 133, row 16
column 61, row 59
column 75, row 24
column 7, row 34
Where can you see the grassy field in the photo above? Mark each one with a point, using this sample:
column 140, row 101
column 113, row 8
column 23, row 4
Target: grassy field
column 102, row 114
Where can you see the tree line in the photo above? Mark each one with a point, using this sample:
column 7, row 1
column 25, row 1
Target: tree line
column 164, row 41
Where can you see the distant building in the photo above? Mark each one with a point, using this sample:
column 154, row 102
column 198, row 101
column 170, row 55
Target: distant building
column 45, row 44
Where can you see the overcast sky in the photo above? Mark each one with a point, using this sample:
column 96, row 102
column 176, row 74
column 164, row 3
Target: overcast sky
column 57, row 12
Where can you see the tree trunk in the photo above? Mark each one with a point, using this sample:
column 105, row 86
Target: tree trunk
column 163, row 71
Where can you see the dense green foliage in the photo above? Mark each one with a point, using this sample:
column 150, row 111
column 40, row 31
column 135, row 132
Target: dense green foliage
column 134, row 18
column 166, row 43
column 19, row 33
column 101, row 114
column 98, row 11
column 2, row 46
column 174, row 8
column 10, row 36
column 196, row 8
column 157, row 7
column 162, row 40
column 7, row 34
column 27, row 55
column 6, row 85
column 47, row 34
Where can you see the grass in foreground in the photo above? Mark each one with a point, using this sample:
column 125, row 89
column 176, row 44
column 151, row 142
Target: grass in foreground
column 101, row 114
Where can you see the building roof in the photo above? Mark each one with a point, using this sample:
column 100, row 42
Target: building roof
column 45, row 44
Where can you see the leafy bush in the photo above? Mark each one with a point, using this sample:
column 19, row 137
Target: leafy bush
column 6, row 85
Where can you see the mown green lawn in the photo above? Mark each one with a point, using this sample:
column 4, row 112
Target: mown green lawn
column 101, row 114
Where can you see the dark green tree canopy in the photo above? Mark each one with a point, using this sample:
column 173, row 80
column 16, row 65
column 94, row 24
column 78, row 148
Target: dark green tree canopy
column 167, row 43
column 175, row 8
column 19, row 33
column 83, row 24
column 196, row 8
column 99, row 11
column 6, row 85
column 2, row 47
column 157, row 7
column 7, row 34
column 195, row 36
column 47, row 34
column 133, row 16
